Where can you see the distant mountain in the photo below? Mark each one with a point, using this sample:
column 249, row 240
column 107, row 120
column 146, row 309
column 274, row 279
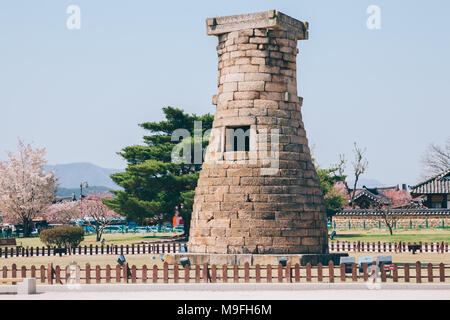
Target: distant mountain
column 72, row 174
column 369, row 183
column 68, row 192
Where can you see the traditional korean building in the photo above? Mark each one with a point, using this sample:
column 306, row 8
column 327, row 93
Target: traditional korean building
column 427, row 205
column 434, row 190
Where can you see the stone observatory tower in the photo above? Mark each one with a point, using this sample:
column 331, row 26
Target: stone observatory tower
column 258, row 191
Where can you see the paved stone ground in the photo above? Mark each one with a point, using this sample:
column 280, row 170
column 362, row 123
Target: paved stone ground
column 245, row 295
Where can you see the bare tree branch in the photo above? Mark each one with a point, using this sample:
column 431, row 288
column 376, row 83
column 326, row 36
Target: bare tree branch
column 360, row 165
column 436, row 158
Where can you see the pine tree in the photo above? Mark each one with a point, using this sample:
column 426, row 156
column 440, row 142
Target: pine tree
column 152, row 184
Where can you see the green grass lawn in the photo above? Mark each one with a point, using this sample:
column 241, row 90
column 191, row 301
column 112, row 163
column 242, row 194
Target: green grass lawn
column 429, row 235
column 110, row 238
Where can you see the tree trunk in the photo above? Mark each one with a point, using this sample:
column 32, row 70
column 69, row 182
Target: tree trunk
column 388, row 223
column 354, row 192
column 389, row 227
column 26, row 227
column 98, row 232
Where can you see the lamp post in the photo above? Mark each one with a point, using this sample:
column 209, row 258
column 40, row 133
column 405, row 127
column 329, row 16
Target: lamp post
column 85, row 185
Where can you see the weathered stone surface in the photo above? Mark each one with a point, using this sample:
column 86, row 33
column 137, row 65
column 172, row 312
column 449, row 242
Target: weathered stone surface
column 244, row 204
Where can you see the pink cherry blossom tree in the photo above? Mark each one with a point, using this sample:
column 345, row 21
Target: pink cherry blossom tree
column 62, row 212
column 95, row 213
column 25, row 188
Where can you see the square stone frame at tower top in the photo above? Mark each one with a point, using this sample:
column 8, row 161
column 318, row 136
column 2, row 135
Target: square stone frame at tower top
column 239, row 209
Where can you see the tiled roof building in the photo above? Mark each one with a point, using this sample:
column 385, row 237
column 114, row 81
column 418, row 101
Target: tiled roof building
column 435, row 189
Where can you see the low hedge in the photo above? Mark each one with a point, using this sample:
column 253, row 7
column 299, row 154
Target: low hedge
column 65, row 236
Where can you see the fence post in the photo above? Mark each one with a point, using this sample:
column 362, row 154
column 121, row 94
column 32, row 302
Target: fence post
column 14, row 270
column 418, row 272
column 175, row 273
column 308, row 272
column 366, row 275
column 297, row 272
column 383, row 273
column 125, row 272
column 236, row 273
column 288, row 272
column 23, row 272
column 197, row 273
column 166, row 272
column 342, row 266
column 57, row 274
column 133, row 274
column 155, row 274
column 319, row 272
column 395, row 273
column 205, row 275
column 280, row 273
column 406, row 271
column 90, row 249
column 331, row 271
column 246, row 272
column 118, row 272
column 144, row 273
column 187, row 275
column 50, row 273
column 430, row 272
column 258, row 273
column 441, row 272
column 97, row 274
column 88, row 273
column 108, row 273
column 33, row 271
column 42, row 271
column 213, row 273
column 354, row 273
column 269, row 273
column 225, row 273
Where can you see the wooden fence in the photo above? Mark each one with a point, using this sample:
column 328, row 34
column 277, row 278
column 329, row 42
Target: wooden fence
column 153, row 248
column 393, row 247
column 174, row 247
column 416, row 273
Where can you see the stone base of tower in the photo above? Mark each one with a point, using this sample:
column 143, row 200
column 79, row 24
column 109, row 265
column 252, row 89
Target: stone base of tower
column 253, row 259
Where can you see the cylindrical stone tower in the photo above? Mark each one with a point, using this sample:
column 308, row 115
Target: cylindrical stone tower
column 262, row 196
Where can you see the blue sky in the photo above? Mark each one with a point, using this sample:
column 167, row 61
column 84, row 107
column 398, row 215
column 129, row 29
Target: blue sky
column 81, row 93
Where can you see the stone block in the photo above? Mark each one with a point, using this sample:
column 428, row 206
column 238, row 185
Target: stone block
column 27, row 286
column 247, row 95
column 251, row 86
